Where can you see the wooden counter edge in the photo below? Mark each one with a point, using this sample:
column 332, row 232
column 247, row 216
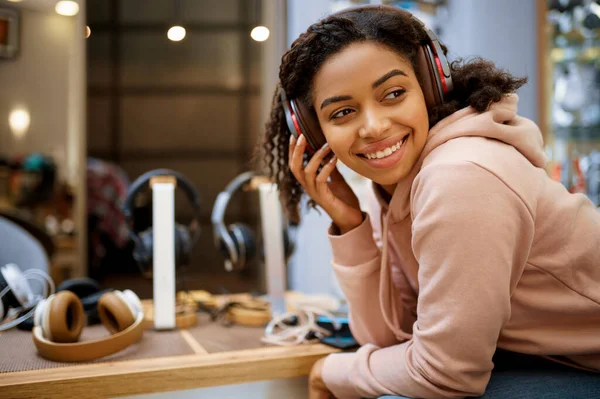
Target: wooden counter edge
column 163, row 374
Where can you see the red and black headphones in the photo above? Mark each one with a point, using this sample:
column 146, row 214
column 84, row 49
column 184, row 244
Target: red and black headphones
column 432, row 67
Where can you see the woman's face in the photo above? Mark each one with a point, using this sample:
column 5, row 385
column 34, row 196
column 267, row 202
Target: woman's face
column 372, row 111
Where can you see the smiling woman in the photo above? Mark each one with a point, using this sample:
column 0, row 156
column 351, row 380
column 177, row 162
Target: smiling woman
column 463, row 251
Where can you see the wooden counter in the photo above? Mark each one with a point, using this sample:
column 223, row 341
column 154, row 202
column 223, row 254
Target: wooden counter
column 208, row 354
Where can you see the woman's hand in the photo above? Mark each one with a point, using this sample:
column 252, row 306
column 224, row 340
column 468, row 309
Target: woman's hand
column 316, row 386
column 334, row 196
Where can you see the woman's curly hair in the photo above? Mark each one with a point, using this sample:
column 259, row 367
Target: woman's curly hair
column 477, row 83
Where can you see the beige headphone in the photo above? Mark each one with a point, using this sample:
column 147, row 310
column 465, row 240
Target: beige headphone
column 60, row 318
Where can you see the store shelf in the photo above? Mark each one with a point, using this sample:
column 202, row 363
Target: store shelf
column 578, row 133
column 560, row 55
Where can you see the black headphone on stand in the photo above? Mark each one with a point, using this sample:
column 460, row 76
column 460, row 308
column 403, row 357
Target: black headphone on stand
column 185, row 236
column 237, row 242
column 432, row 67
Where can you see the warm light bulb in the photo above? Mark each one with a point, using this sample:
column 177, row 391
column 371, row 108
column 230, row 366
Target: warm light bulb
column 88, row 32
column 15, row 1
column 19, row 120
column 260, row 33
column 67, row 8
column 176, row 33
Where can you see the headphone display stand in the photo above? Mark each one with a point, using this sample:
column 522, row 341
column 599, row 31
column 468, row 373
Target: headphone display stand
column 163, row 268
column 275, row 264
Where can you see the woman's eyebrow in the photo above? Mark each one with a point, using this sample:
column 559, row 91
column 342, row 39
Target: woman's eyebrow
column 377, row 83
column 335, row 99
column 392, row 73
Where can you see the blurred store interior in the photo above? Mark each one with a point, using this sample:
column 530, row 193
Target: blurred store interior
column 95, row 93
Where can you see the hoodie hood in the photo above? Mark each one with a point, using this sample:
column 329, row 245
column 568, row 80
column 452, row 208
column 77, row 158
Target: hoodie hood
column 499, row 122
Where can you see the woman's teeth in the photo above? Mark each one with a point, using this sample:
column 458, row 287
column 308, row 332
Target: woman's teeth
column 387, row 151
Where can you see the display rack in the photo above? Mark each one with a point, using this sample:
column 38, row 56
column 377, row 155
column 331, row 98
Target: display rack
column 569, row 57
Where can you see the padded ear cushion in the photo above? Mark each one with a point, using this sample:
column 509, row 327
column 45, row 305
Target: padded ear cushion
column 288, row 244
column 183, row 245
column 310, row 125
column 63, row 317
column 90, row 302
column 245, row 243
column 81, row 287
column 90, row 306
column 426, row 70
column 142, row 252
column 116, row 315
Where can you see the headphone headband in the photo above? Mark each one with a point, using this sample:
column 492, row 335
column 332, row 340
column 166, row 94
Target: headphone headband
column 186, row 185
column 88, row 350
column 142, row 182
column 222, row 201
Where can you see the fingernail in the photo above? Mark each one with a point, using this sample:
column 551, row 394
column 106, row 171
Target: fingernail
column 292, row 140
column 301, row 139
column 325, row 147
column 333, row 159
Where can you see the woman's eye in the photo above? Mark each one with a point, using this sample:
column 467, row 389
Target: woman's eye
column 342, row 113
column 394, row 94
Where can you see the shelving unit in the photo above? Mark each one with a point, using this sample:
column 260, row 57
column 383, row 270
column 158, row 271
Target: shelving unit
column 569, row 70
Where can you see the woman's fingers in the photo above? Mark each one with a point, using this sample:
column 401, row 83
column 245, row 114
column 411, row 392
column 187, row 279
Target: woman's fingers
column 295, row 161
column 310, row 172
column 337, row 176
column 323, row 177
column 291, row 149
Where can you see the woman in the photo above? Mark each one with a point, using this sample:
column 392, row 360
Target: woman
column 472, row 253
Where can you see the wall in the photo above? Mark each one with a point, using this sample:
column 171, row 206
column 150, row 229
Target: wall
column 310, row 267
column 47, row 78
column 38, row 81
column 503, row 31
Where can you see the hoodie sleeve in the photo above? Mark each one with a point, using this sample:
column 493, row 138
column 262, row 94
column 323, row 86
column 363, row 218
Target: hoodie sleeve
column 357, row 262
column 471, row 235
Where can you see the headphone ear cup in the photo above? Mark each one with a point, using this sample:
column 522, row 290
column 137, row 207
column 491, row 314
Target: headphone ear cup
column 309, row 124
column 183, row 245
column 245, row 243
column 90, row 306
column 426, row 71
column 288, row 244
column 63, row 318
column 115, row 313
column 82, row 286
column 142, row 252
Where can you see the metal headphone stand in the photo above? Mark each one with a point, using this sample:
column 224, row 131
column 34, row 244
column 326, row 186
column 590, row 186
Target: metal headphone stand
column 275, row 263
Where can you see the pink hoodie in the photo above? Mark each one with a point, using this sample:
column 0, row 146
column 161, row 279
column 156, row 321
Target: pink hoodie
column 480, row 249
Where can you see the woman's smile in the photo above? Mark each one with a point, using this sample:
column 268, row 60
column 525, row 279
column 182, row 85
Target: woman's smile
column 386, row 153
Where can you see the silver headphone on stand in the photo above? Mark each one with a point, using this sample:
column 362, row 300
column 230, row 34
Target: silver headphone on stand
column 237, row 242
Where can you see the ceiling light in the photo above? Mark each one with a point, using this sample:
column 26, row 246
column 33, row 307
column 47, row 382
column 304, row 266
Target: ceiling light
column 176, row 33
column 260, row 33
column 67, row 8
column 14, row 1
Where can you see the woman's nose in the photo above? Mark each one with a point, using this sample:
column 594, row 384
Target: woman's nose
column 375, row 124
